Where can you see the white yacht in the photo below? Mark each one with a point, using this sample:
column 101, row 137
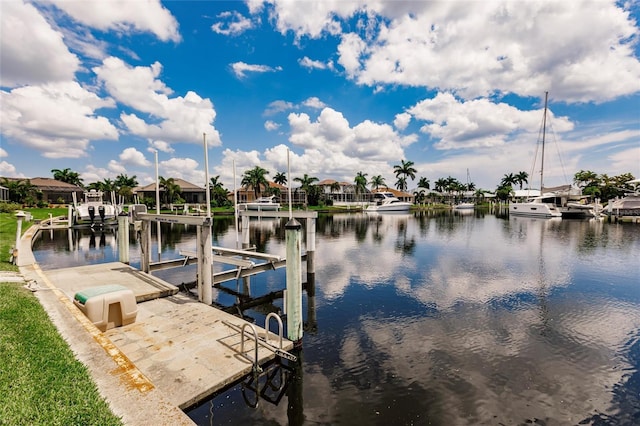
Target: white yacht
column 387, row 202
column 536, row 207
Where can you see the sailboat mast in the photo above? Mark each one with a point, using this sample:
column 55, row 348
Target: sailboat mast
column 544, row 129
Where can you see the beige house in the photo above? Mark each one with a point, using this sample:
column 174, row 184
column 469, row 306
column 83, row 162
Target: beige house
column 54, row 191
column 190, row 193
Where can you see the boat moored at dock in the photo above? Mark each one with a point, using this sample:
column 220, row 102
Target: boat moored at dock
column 387, row 202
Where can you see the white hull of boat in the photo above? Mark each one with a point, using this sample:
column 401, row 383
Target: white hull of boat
column 261, row 207
column 103, row 213
column 393, row 207
column 264, row 204
column 94, row 210
column 534, row 209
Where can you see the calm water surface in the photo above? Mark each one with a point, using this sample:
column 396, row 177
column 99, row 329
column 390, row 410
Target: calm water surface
column 443, row 319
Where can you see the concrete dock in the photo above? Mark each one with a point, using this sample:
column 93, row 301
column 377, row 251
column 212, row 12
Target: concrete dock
column 178, row 351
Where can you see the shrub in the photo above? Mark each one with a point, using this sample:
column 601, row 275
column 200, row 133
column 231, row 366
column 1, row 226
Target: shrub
column 6, row 207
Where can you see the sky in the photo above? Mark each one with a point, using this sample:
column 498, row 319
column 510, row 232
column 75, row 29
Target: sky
column 328, row 88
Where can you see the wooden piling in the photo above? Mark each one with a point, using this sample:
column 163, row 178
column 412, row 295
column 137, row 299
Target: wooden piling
column 123, row 238
column 294, row 281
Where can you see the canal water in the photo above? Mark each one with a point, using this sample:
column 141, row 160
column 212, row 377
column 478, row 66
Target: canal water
column 442, row 318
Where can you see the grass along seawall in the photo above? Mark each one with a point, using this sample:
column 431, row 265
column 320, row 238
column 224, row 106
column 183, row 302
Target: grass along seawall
column 41, row 382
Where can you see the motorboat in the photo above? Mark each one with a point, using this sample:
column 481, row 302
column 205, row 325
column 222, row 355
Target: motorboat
column 94, row 210
column 536, row 207
column 262, row 204
column 387, row 202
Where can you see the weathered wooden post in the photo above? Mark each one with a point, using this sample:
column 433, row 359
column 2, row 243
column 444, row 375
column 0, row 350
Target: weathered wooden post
column 123, row 237
column 294, row 281
column 69, row 215
column 205, row 260
column 145, row 245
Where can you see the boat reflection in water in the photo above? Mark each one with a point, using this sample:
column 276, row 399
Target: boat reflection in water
column 442, row 318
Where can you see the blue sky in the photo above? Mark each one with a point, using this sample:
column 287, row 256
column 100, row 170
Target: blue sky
column 344, row 86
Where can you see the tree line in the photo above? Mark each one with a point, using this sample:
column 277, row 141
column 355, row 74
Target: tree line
column 592, row 184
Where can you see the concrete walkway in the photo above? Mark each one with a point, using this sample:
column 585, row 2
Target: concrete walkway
column 176, row 353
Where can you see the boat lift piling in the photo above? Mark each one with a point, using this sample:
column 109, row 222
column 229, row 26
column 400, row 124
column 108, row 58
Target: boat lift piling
column 204, row 253
column 294, row 281
column 123, row 238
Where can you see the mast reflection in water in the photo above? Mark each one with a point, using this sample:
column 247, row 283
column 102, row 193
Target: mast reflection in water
column 443, row 319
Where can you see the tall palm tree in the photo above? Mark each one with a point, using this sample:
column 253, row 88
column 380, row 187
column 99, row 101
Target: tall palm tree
column 361, row 182
column 508, row 180
column 404, row 170
column 423, row 182
column 377, row 181
column 255, row 178
column 67, row 175
column 306, row 182
column 280, row 178
column 521, row 177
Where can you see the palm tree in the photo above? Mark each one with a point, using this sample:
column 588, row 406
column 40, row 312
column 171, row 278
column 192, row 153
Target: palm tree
column 401, row 183
column 419, row 196
column 440, row 185
column 508, row 180
column 125, row 185
column 170, row 188
column 107, row 185
column 255, row 178
column 423, row 182
column 521, row 177
column 306, row 182
column 280, row 178
column 21, row 191
column 361, row 182
column 68, row 176
column 585, row 178
column 404, row 170
column 377, row 181
column 217, row 191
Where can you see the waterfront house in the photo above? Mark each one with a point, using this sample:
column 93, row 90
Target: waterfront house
column 190, row 193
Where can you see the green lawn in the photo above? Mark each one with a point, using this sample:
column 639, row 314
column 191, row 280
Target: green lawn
column 41, row 382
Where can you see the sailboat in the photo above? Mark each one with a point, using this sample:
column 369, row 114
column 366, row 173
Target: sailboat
column 465, row 205
column 543, row 205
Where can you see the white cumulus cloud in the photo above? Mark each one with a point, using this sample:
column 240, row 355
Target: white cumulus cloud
column 124, row 16
column 31, row 52
column 56, row 119
column 176, row 119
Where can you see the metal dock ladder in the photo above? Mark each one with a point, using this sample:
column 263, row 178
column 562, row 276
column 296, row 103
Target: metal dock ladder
column 275, row 381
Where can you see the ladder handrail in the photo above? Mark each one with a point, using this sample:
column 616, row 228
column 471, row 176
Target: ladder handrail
column 256, row 366
column 266, row 327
